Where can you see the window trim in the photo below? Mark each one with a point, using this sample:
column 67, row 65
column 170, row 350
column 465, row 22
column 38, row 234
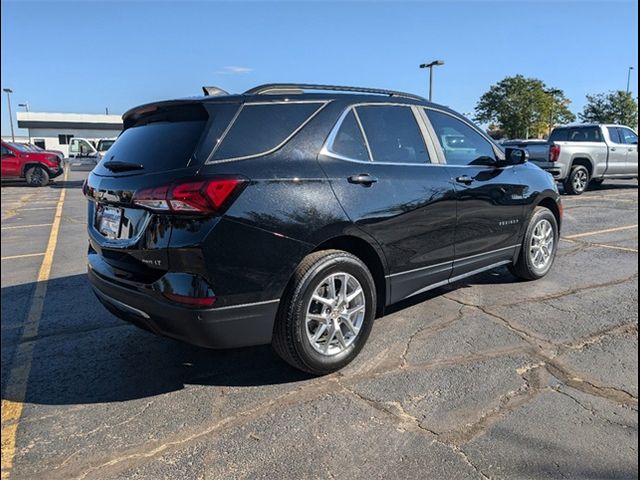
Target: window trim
column 428, row 141
column 434, row 136
column 209, row 161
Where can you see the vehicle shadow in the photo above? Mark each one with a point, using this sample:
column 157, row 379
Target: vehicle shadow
column 83, row 354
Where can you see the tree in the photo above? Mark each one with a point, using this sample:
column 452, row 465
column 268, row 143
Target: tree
column 523, row 107
column 614, row 107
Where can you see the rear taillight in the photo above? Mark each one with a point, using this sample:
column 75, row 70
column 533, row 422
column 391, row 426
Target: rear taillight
column 192, row 197
column 554, row 153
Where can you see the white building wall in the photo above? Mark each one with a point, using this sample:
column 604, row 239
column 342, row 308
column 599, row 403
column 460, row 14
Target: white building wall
column 50, row 136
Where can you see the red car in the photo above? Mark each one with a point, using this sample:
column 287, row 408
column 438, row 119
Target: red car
column 37, row 168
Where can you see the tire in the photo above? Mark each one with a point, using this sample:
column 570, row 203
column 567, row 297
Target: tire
column 577, row 181
column 37, row 176
column 294, row 330
column 527, row 266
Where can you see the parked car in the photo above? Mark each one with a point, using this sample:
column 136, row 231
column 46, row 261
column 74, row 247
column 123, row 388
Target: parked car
column 35, row 148
column 295, row 214
column 579, row 154
column 37, row 168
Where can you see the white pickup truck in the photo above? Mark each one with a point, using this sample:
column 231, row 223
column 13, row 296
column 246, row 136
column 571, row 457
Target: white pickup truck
column 577, row 155
column 87, row 153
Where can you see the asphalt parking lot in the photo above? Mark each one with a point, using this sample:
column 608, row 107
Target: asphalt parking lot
column 492, row 378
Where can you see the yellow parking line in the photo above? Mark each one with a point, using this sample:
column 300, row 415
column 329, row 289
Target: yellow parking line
column 598, row 232
column 615, row 247
column 14, row 227
column 16, row 387
column 37, row 208
column 603, row 245
column 26, row 255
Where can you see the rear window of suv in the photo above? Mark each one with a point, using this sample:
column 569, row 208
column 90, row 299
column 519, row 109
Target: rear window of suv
column 164, row 139
column 260, row 128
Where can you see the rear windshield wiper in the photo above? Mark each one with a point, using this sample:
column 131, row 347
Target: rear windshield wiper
column 118, row 166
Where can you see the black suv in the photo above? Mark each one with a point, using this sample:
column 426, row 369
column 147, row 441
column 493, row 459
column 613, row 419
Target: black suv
column 294, row 214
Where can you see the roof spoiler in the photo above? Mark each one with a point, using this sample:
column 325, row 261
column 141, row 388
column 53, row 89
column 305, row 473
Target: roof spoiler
column 214, row 92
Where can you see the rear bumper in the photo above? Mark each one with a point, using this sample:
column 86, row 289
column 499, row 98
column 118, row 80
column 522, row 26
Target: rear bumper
column 222, row 327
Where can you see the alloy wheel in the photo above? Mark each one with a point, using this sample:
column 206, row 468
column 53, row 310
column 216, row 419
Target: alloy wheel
column 335, row 314
column 542, row 244
column 580, row 180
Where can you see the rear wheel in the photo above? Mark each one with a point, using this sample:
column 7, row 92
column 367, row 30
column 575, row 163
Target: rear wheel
column 36, row 176
column 539, row 246
column 326, row 314
column 577, row 181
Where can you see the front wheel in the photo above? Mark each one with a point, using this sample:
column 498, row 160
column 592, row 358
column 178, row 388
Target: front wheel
column 539, row 246
column 577, row 181
column 36, row 176
column 326, row 314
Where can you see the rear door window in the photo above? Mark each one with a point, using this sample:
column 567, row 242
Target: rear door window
column 393, row 134
column 461, row 144
column 262, row 127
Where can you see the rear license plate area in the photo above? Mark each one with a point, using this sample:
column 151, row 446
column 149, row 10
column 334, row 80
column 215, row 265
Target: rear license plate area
column 108, row 221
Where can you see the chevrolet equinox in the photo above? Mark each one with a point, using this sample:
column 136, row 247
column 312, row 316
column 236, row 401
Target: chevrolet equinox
column 294, row 214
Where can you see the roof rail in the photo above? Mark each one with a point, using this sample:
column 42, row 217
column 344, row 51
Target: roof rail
column 285, row 88
column 214, row 91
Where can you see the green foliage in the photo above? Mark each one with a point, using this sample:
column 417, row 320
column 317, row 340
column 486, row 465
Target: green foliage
column 614, row 107
column 523, row 107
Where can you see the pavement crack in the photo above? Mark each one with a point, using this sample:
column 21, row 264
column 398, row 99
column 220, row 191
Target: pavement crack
column 624, row 329
column 565, row 376
column 391, row 408
column 150, row 450
column 572, row 291
column 462, row 454
column 431, row 329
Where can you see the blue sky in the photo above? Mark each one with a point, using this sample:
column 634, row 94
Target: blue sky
column 86, row 56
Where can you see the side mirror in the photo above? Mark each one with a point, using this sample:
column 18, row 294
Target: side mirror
column 516, row 156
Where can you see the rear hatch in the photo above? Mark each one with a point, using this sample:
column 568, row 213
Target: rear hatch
column 161, row 144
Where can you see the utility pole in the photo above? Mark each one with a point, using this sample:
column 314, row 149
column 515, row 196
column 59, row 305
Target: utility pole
column 8, row 91
column 430, row 67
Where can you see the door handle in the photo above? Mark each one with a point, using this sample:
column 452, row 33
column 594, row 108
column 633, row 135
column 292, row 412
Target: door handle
column 363, row 179
column 465, row 179
column 613, row 149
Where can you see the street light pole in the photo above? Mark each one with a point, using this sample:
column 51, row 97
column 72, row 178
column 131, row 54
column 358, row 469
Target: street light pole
column 8, row 91
column 552, row 92
column 24, row 105
column 430, row 67
column 629, row 78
